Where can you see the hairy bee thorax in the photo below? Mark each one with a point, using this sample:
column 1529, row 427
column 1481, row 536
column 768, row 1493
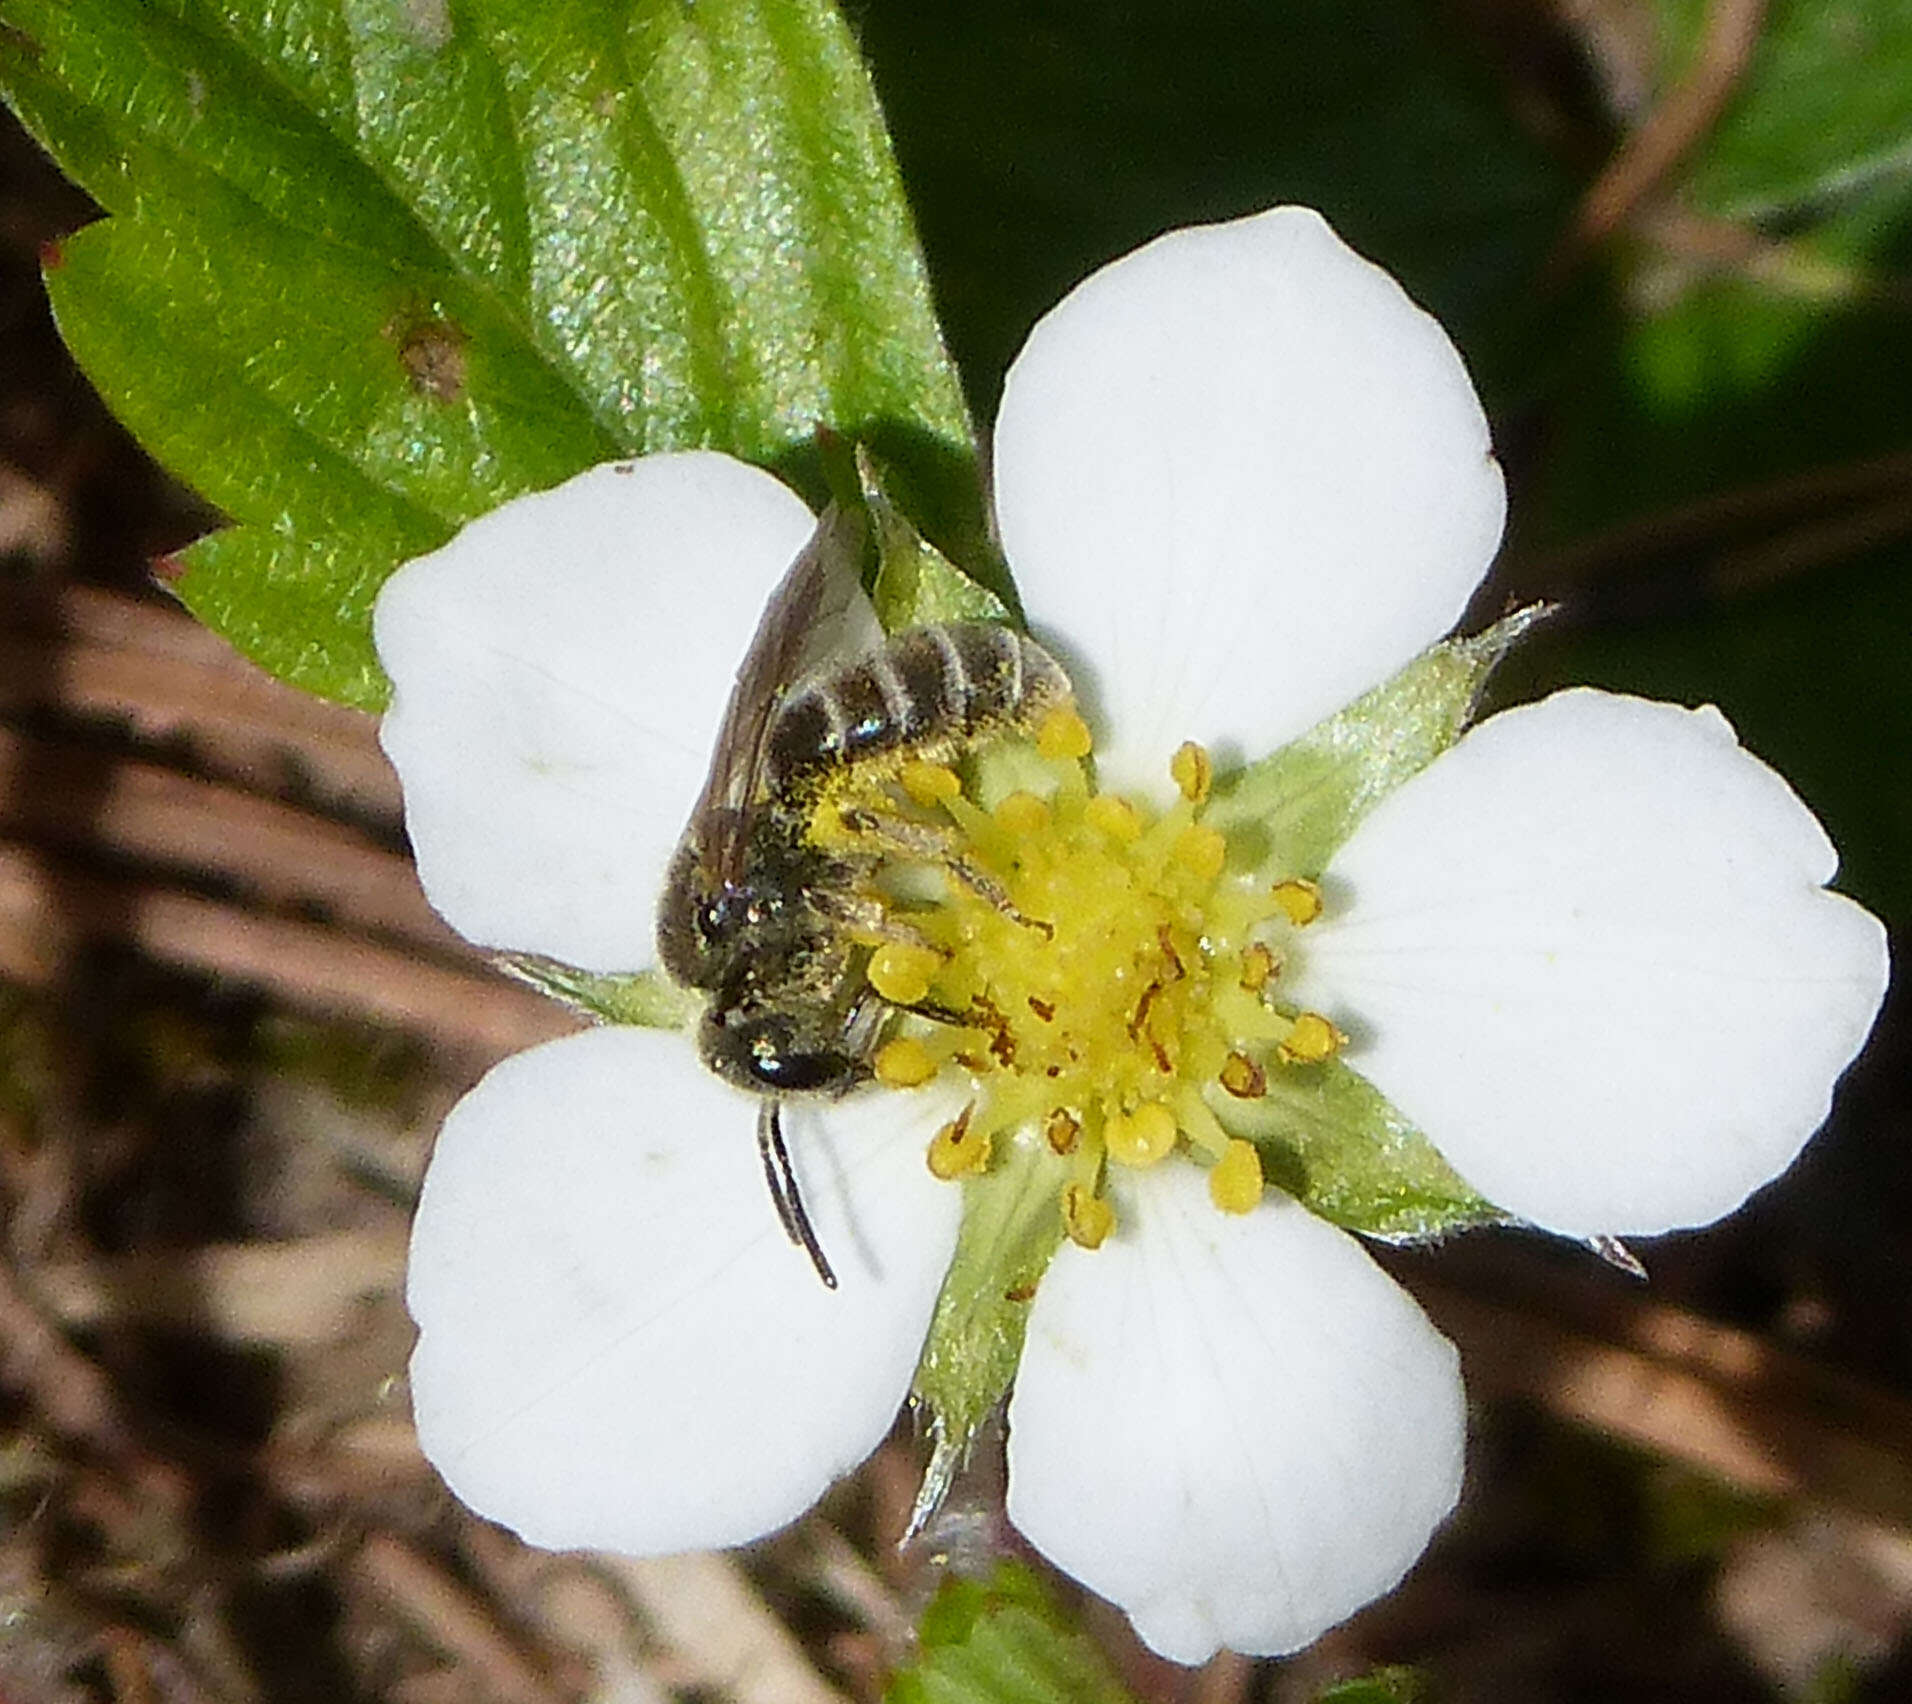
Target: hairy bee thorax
column 764, row 917
column 783, row 977
column 1093, row 966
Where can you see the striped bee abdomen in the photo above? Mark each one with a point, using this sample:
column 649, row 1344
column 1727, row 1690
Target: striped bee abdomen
column 926, row 691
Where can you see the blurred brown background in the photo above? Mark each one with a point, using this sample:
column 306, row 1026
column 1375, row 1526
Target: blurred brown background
column 229, row 1024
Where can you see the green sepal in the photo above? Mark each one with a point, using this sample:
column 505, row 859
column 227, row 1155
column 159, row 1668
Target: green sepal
column 1327, row 1136
column 370, row 270
column 916, row 584
column 1003, row 1641
column 647, row 997
column 1012, row 1226
column 1392, row 1685
column 1289, row 813
column 1334, row 1142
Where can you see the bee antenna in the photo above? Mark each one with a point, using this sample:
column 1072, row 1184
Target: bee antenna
column 781, row 1176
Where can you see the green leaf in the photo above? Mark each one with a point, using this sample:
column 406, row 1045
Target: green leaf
column 1286, row 815
column 1012, row 1225
column 1750, row 347
column 916, row 584
column 1820, row 115
column 373, row 267
column 1684, row 455
column 1333, row 1141
column 1003, row 1642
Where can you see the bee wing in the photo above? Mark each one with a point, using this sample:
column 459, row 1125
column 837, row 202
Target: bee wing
column 842, row 624
column 818, row 611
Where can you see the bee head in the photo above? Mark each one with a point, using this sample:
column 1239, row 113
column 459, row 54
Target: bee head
column 713, row 928
column 702, row 922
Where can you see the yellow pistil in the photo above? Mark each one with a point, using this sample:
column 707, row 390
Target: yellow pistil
column 1086, row 1217
column 1234, row 1181
column 904, row 1063
column 1114, row 816
column 1312, row 1040
column 1062, row 734
column 1299, row 899
column 901, row 972
column 958, row 1151
column 1023, row 813
column 929, row 783
column 1201, row 851
column 1192, row 770
column 1090, row 963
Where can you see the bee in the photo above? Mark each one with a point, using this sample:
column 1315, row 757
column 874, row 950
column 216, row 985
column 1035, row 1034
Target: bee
column 755, row 914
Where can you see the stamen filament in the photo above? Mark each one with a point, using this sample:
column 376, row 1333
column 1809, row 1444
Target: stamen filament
column 1199, row 1124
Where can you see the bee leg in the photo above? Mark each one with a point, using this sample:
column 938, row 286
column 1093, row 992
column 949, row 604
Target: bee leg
column 782, row 1179
column 870, row 917
column 939, row 1014
column 867, row 1016
column 932, row 845
column 861, row 1022
column 899, row 835
column 986, row 888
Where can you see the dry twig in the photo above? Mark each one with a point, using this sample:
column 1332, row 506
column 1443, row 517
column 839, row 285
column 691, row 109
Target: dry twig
column 1684, row 114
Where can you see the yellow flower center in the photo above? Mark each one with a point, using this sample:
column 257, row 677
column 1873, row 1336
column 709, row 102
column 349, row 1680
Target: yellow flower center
column 1091, row 964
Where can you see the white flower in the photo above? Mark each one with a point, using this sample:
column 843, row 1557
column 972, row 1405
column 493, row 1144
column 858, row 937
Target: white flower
column 1589, row 951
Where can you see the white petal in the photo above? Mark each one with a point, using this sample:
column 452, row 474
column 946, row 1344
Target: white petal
column 1243, row 478
column 1589, row 952
column 619, row 1348
column 1239, row 1429
column 559, row 670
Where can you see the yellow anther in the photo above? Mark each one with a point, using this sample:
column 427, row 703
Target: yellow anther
column 904, row 1063
column 1062, row 1129
column 1201, row 851
column 1192, row 770
column 1257, row 967
column 1063, row 734
column 901, row 972
column 929, row 783
column 1113, row 815
column 1023, row 813
column 1234, row 1181
column 1312, row 1040
column 1086, row 1216
column 1299, row 899
column 1243, row 1078
column 956, row 1151
column 1141, row 1137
